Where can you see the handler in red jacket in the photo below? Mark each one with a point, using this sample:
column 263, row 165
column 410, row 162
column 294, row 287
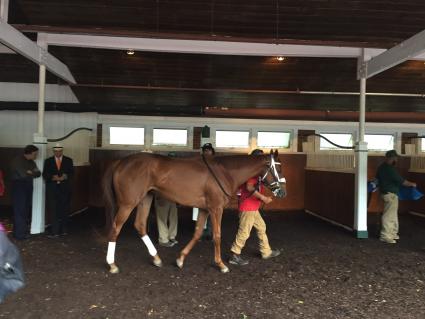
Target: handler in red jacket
column 250, row 201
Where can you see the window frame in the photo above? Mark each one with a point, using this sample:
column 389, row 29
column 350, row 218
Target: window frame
column 233, row 148
column 286, row 149
column 167, row 146
column 393, row 134
column 107, row 139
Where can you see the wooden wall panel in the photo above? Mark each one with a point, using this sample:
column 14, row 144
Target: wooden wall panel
column 331, row 195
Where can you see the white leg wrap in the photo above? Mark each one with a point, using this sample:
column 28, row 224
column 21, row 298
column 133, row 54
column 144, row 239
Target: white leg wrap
column 151, row 247
column 110, row 256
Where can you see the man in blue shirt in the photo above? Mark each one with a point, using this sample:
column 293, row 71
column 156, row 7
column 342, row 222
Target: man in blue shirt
column 389, row 186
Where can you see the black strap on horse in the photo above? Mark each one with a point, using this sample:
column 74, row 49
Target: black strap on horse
column 215, row 177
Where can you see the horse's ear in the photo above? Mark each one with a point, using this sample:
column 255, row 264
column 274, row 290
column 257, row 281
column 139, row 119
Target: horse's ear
column 271, row 151
column 276, row 153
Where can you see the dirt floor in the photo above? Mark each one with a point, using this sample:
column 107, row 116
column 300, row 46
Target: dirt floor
column 324, row 272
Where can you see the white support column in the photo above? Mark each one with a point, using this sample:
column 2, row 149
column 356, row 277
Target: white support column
column 4, row 10
column 40, row 140
column 360, row 204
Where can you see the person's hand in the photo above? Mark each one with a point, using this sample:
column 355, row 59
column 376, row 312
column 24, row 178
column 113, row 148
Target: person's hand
column 29, row 172
column 413, row 184
column 55, row 178
column 267, row 200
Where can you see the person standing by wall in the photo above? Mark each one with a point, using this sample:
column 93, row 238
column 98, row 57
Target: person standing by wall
column 250, row 201
column 23, row 171
column 166, row 219
column 389, row 181
column 58, row 172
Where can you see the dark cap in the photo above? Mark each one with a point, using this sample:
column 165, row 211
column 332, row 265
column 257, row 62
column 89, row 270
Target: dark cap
column 257, row 151
column 392, row 153
column 208, row 146
column 30, row 149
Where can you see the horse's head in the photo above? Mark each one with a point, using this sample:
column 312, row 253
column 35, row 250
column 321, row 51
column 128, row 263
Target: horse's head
column 273, row 176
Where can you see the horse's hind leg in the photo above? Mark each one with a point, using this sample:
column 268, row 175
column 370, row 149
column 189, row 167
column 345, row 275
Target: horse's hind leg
column 198, row 232
column 140, row 224
column 120, row 219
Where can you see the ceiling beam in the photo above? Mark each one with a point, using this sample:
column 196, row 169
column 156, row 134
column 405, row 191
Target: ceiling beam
column 409, row 49
column 28, row 92
column 206, row 47
column 6, row 50
column 15, row 40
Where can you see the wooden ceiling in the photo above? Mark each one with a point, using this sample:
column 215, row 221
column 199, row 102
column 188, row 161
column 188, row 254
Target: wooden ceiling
column 112, row 81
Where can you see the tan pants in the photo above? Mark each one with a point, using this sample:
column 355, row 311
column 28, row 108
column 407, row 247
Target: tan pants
column 247, row 220
column 166, row 211
column 390, row 216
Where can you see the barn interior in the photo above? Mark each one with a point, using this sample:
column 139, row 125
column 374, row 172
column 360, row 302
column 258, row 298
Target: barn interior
column 159, row 76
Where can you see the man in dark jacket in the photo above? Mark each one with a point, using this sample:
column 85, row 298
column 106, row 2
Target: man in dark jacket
column 58, row 171
column 23, row 171
column 389, row 185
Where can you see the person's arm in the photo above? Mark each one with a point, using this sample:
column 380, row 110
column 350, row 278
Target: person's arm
column 35, row 172
column 251, row 188
column 70, row 170
column 408, row 183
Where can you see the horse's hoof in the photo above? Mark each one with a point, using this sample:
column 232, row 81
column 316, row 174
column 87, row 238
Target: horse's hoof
column 179, row 263
column 224, row 269
column 114, row 269
column 157, row 263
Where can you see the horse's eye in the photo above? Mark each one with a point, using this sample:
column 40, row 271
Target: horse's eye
column 8, row 268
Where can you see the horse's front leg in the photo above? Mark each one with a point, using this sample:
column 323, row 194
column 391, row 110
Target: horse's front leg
column 216, row 225
column 202, row 217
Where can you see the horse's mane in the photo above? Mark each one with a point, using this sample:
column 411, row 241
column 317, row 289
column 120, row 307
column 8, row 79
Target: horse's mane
column 234, row 161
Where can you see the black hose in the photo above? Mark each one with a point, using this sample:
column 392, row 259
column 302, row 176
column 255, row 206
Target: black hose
column 69, row 134
column 334, row 144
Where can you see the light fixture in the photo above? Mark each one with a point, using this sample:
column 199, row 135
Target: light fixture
column 130, row 52
column 280, row 58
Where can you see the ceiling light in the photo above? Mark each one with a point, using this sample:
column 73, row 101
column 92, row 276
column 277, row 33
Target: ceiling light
column 130, row 52
column 280, row 58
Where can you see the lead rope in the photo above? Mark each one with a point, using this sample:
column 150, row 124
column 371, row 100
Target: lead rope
column 215, row 177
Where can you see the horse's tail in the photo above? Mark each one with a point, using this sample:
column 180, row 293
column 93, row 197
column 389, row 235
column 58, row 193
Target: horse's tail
column 109, row 197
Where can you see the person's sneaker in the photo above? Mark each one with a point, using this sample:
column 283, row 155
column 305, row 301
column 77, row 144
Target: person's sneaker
column 167, row 244
column 52, row 236
column 396, row 237
column 387, row 240
column 174, row 242
column 273, row 254
column 238, row 260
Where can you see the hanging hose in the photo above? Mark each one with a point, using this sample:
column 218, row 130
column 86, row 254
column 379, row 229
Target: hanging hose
column 69, row 134
column 334, row 144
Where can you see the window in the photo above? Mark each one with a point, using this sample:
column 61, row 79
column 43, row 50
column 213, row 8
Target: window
column 337, row 138
column 232, row 139
column 273, row 139
column 376, row 142
column 422, row 144
column 169, row 137
column 127, row 135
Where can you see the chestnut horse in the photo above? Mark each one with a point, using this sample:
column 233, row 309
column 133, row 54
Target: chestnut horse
column 206, row 182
